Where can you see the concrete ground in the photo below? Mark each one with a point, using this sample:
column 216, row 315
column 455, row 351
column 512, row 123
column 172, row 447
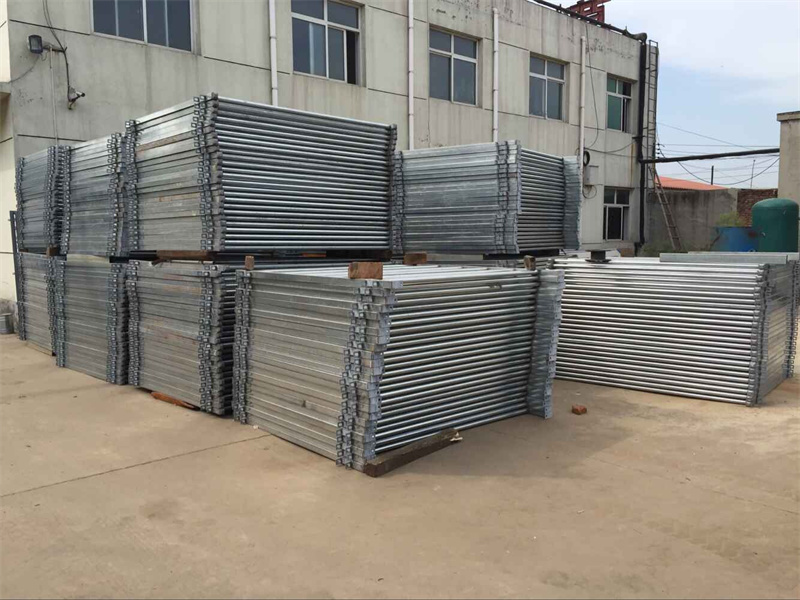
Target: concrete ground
column 109, row 493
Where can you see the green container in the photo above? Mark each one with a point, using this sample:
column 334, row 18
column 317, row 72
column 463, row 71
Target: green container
column 775, row 220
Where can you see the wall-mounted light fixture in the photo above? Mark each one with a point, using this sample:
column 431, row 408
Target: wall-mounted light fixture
column 35, row 44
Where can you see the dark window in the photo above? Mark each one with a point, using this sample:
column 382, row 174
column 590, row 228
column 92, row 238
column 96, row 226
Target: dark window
column 325, row 39
column 618, row 104
column 169, row 22
column 453, row 67
column 440, row 77
column 615, row 213
column 547, row 82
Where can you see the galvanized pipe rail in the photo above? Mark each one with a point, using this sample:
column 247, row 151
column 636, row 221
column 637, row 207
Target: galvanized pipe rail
column 351, row 368
column 702, row 327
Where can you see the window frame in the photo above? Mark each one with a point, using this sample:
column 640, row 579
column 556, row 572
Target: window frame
column 624, row 209
column 451, row 56
column 625, row 117
column 546, row 78
column 344, row 29
column 192, row 36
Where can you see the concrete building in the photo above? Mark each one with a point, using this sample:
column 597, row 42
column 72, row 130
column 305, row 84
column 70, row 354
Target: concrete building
column 789, row 172
column 131, row 58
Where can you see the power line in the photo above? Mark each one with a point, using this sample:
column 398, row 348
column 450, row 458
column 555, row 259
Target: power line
column 708, row 137
column 729, row 183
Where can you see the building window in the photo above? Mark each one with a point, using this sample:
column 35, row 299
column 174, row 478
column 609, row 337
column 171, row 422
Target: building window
column 546, row 89
column 325, row 39
column 453, row 67
column 162, row 22
column 619, row 104
column 616, row 203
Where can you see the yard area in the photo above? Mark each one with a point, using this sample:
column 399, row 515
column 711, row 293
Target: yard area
column 108, row 492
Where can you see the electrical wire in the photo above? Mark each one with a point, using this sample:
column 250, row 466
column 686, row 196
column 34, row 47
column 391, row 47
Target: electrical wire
column 594, row 97
column 708, row 137
column 730, row 183
column 61, row 46
column 35, row 62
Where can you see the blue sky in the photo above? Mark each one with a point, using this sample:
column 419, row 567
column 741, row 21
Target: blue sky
column 727, row 68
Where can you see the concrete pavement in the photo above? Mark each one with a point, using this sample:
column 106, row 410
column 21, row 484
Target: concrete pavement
column 107, row 492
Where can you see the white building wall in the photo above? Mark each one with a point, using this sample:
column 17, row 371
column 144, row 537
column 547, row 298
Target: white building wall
column 125, row 79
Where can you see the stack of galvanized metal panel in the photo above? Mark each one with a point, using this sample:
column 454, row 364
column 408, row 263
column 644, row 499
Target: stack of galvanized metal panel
column 351, row 368
column 545, row 342
column 703, row 328
column 41, row 186
column 180, row 330
column 36, row 301
column 91, row 312
column 494, row 198
column 460, row 198
column 93, row 208
column 227, row 175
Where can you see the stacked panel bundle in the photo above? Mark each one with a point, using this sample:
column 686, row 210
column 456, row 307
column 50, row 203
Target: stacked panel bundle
column 545, row 342
column 220, row 174
column 461, row 198
column 711, row 329
column 93, row 210
column 351, row 368
column 484, row 198
column 41, row 186
column 91, row 309
column 180, row 330
column 36, row 301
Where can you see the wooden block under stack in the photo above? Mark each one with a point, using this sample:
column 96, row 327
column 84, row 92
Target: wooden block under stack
column 413, row 259
column 365, row 270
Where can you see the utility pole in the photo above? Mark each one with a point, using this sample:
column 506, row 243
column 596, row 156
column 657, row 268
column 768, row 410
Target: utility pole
column 752, row 171
column 712, row 174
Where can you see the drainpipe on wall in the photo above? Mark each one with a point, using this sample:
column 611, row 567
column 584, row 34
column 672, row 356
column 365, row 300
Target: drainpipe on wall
column 53, row 96
column 495, row 75
column 410, row 74
column 640, row 136
column 582, row 115
column 273, row 53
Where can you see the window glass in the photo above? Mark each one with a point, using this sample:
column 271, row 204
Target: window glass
column 463, row 81
column 311, row 8
column 336, row 54
column 537, row 97
column 537, row 65
column 439, row 40
column 439, row 77
column 157, row 22
column 131, row 19
column 343, row 14
column 465, row 47
column 554, row 94
column 615, row 113
column 626, row 88
column 555, row 70
column 300, row 46
column 317, row 50
column 105, row 16
column 180, row 24
column 352, row 56
column 608, row 196
column 614, row 223
column 612, row 85
column 623, row 197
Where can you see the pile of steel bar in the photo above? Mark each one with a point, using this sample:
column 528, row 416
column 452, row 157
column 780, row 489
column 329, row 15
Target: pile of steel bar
column 41, row 185
column 36, row 301
column 93, row 208
column 181, row 326
column 227, row 175
column 494, row 198
column 545, row 342
column 460, row 198
column 350, row 368
column 703, row 327
column 92, row 317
